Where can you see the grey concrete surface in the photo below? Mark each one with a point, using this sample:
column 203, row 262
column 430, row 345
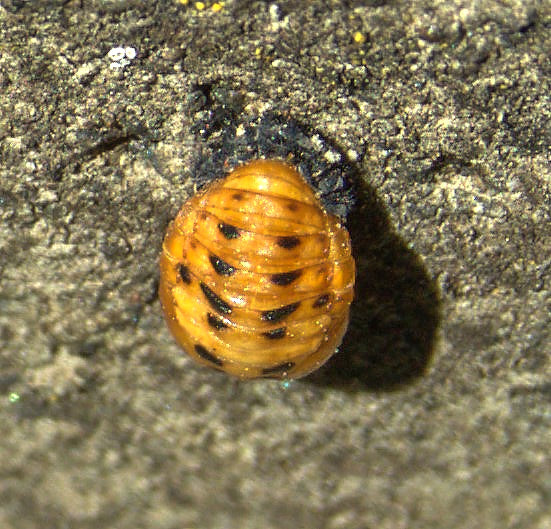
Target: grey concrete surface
column 436, row 411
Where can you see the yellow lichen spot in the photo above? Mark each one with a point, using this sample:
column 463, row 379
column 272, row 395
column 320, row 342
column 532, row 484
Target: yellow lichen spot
column 200, row 6
column 258, row 52
column 183, row 2
column 359, row 37
column 217, row 6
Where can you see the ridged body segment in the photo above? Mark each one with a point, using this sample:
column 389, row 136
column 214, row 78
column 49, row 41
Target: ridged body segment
column 256, row 278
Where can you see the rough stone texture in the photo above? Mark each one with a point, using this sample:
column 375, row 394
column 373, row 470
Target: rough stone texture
column 435, row 414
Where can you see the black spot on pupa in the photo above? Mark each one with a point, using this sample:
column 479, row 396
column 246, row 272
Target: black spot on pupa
column 276, row 315
column 215, row 322
column 215, row 302
column 206, row 355
column 321, row 301
column 221, row 267
column 183, row 272
column 292, row 207
column 237, row 196
column 275, row 334
column 228, row 231
column 286, row 278
column 288, row 242
column 279, row 369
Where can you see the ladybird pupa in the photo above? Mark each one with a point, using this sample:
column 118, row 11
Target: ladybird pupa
column 256, row 277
